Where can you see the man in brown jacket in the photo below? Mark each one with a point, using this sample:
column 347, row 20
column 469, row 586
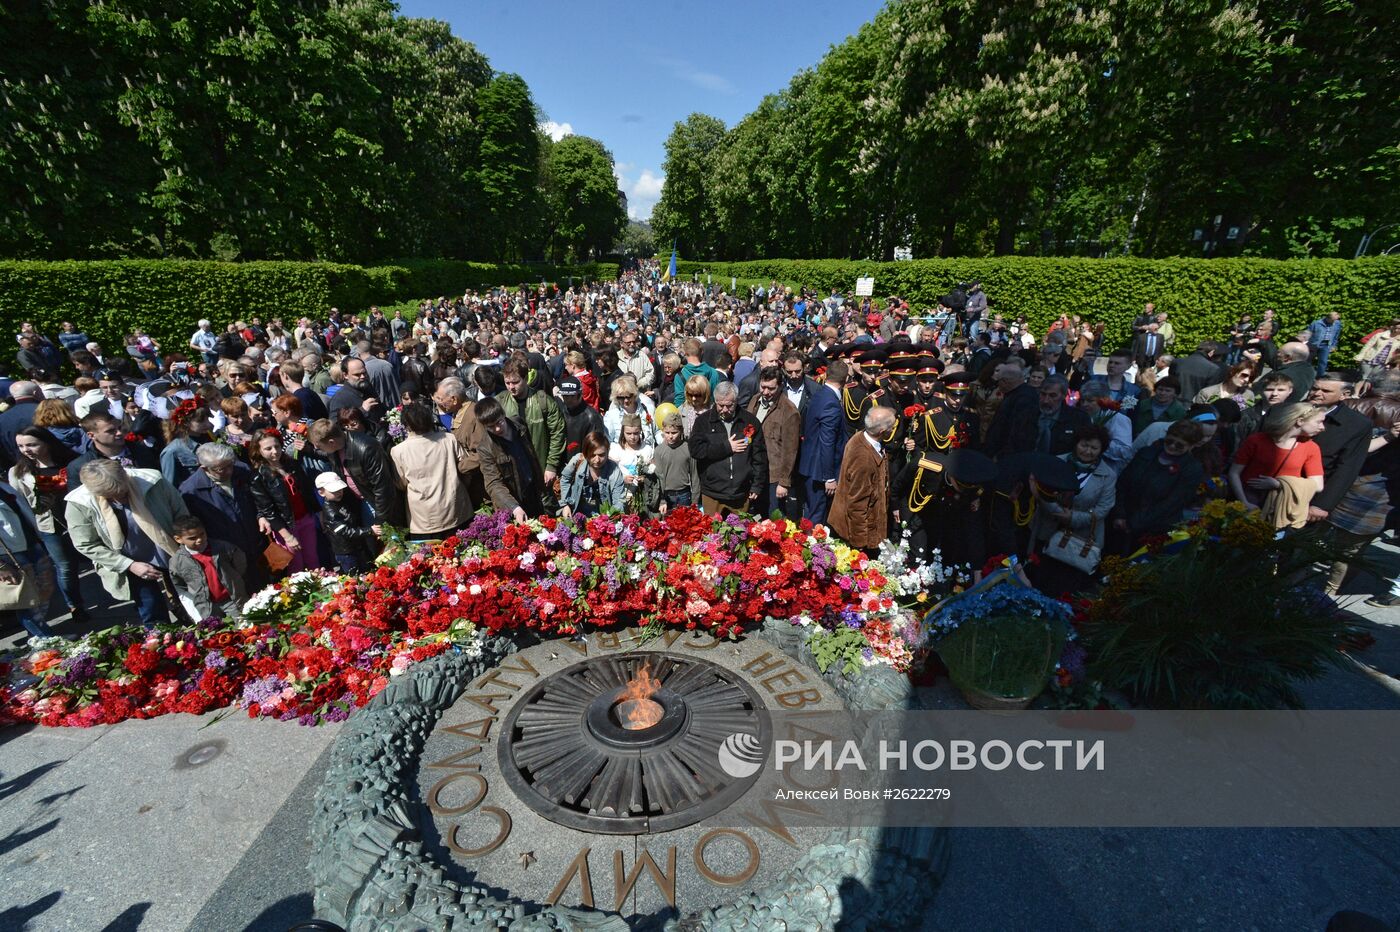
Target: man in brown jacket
column 782, row 433
column 512, row 474
column 860, row 507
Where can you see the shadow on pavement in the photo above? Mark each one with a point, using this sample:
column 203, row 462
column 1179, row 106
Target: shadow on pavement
column 129, row 920
column 283, row 914
column 18, row 837
column 14, row 785
column 17, row 918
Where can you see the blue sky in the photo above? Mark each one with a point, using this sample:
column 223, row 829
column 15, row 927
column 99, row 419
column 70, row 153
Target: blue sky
column 626, row 72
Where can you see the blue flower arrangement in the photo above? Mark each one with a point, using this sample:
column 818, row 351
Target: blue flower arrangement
column 998, row 595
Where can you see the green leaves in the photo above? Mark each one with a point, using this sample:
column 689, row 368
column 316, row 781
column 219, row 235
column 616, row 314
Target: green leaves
column 317, row 130
column 1114, row 127
column 582, row 196
column 167, row 298
column 1203, row 297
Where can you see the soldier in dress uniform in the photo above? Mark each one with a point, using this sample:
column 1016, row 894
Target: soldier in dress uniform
column 1023, row 481
column 932, row 430
column 926, row 377
column 843, row 373
column 871, row 362
column 953, row 390
column 957, row 515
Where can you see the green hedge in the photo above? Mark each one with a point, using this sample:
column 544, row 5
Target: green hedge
column 167, row 298
column 1203, row 296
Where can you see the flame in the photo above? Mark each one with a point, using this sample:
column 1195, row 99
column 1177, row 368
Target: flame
column 635, row 707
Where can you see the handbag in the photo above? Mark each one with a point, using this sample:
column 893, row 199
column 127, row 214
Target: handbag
column 1082, row 553
column 277, row 556
column 19, row 584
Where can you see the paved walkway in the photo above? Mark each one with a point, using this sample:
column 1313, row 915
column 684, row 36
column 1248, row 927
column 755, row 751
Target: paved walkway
column 169, row 825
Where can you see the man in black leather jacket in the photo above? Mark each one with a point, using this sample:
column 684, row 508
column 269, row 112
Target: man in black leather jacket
column 364, row 465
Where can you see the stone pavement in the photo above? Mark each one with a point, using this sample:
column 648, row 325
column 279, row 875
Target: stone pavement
column 168, row 824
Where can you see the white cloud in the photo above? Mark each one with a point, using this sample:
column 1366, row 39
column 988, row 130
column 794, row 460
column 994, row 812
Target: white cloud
column 643, row 190
column 705, row 80
column 556, row 131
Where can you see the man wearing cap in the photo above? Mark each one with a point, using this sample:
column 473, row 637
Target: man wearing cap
column 976, row 306
column 918, row 481
column 957, row 517
column 965, row 431
column 1055, row 360
column 861, row 506
column 580, row 420
column 1024, row 481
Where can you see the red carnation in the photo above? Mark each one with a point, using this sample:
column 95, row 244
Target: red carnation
column 141, row 662
column 914, row 410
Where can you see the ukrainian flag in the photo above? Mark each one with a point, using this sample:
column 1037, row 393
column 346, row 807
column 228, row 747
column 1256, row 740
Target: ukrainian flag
column 670, row 272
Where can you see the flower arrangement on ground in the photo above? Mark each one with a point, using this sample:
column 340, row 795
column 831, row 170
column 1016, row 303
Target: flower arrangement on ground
column 315, row 646
column 1222, row 613
column 1001, row 640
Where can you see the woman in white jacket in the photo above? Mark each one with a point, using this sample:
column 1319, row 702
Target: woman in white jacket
column 627, row 399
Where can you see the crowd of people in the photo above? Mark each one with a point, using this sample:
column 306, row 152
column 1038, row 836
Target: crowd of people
column 190, row 476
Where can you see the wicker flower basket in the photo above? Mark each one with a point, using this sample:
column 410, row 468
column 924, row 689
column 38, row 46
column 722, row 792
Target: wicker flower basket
column 1001, row 664
column 984, row 701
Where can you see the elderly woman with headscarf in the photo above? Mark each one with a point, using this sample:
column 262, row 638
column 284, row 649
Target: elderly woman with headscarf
column 120, row 520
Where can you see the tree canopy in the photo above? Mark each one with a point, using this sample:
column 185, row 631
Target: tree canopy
column 1105, row 127
column 256, row 129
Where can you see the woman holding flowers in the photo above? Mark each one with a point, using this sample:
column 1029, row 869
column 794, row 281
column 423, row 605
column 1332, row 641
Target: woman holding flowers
column 286, row 500
column 40, row 476
column 633, row 452
column 1235, row 386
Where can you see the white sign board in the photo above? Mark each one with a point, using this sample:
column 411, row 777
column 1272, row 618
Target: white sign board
column 865, row 287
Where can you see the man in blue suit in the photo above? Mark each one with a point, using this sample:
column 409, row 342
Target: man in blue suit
column 823, row 437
